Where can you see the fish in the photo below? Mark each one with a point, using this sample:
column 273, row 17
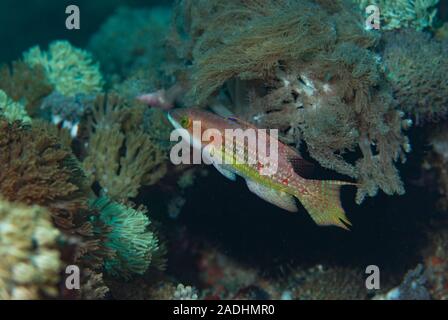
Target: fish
column 320, row 198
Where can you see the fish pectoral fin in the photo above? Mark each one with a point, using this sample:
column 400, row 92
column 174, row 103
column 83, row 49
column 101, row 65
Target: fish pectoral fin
column 226, row 173
column 278, row 198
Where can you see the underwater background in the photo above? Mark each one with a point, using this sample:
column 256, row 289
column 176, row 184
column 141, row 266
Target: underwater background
column 85, row 171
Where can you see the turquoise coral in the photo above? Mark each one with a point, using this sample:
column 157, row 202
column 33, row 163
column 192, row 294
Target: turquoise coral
column 70, row 70
column 134, row 246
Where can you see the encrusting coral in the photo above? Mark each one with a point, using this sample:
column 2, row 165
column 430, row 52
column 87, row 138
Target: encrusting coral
column 306, row 68
column 70, row 70
column 29, row 260
column 133, row 244
column 120, row 156
column 416, row 67
column 11, row 110
column 417, row 14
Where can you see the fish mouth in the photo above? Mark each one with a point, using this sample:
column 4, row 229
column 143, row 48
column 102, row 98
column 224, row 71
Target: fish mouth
column 172, row 119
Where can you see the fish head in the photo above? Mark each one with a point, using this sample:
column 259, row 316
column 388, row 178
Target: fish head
column 184, row 118
column 181, row 118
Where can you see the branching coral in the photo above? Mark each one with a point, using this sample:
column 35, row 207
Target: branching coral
column 134, row 246
column 29, row 263
column 417, row 14
column 121, row 157
column 12, row 111
column 416, row 66
column 25, row 84
column 70, row 70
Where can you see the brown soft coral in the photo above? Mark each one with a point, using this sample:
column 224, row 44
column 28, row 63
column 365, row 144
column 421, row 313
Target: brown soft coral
column 22, row 82
column 120, row 156
column 248, row 39
column 36, row 169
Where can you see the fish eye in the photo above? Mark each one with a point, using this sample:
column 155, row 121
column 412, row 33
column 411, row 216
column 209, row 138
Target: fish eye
column 185, row 122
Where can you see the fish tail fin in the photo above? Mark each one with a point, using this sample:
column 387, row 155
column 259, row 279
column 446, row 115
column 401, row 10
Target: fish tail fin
column 323, row 203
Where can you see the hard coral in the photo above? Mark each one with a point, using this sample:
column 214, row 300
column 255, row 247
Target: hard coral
column 70, row 70
column 30, row 263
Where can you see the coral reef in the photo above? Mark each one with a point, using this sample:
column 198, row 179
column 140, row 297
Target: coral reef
column 84, row 151
column 307, row 69
column 30, row 262
column 413, row 287
column 12, row 111
column 134, row 247
column 70, row 70
column 416, row 66
column 417, row 14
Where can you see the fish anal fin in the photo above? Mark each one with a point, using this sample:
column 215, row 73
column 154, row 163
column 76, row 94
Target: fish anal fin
column 278, row 198
column 226, row 173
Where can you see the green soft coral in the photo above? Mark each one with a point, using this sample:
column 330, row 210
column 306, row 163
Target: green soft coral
column 70, row 70
column 417, row 14
column 11, row 110
column 135, row 247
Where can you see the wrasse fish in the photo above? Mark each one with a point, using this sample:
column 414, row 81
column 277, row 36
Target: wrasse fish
column 320, row 198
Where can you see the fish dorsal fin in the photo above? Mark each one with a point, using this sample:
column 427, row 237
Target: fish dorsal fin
column 301, row 166
column 242, row 122
column 278, row 198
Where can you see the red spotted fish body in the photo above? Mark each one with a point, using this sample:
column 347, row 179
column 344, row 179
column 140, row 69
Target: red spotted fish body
column 321, row 198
